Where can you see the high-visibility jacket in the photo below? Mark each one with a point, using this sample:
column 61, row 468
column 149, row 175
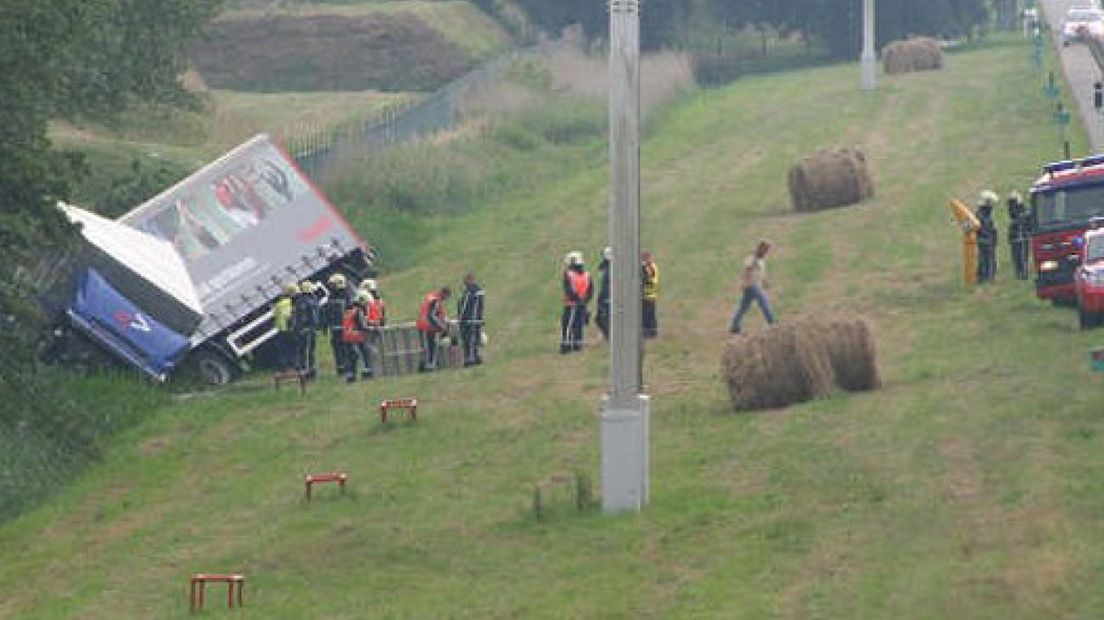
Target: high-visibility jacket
column 377, row 314
column 650, row 279
column 282, row 314
column 438, row 321
column 577, row 287
column 352, row 328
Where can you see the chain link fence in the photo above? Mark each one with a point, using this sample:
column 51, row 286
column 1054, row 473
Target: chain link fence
column 318, row 151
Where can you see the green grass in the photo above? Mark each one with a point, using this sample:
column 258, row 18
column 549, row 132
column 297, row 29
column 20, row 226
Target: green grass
column 967, row 488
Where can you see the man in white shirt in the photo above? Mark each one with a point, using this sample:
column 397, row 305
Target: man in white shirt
column 754, row 284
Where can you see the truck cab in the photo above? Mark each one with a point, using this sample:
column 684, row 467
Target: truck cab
column 1064, row 202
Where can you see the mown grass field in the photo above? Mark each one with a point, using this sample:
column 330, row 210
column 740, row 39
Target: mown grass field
column 968, row 487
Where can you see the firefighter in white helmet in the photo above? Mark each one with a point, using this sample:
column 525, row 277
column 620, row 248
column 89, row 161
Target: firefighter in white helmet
column 578, row 289
column 987, row 237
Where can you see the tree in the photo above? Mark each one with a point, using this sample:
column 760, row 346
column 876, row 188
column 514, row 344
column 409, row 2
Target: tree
column 67, row 58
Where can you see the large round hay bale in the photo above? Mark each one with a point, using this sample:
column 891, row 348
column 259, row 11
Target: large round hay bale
column 851, row 350
column 798, row 362
column 920, row 54
column 830, row 178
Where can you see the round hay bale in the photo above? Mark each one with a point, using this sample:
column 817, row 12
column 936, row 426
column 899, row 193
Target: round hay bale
column 851, row 349
column 776, row 367
column 920, row 54
column 798, row 362
column 830, row 178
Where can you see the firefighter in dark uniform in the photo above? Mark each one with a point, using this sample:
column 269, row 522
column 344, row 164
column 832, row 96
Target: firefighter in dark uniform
column 602, row 316
column 432, row 323
column 987, row 238
column 305, row 321
column 1018, row 234
column 338, row 301
column 578, row 291
column 469, row 310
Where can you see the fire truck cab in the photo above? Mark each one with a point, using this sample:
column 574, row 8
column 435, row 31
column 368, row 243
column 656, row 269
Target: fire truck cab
column 1065, row 201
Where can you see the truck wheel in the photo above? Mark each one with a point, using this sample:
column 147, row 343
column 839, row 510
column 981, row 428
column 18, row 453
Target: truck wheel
column 212, row 368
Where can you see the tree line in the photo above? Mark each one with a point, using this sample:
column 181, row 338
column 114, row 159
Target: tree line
column 834, row 25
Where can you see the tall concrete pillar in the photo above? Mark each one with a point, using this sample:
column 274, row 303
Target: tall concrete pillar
column 625, row 436
column 868, row 60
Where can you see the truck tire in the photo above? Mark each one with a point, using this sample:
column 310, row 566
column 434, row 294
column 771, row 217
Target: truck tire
column 212, row 368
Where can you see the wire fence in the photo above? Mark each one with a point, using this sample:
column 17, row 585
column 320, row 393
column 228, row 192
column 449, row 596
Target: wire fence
column 318, row 150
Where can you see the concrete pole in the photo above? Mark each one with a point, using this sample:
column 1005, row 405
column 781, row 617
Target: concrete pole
column 625, row 458
column 868, row 60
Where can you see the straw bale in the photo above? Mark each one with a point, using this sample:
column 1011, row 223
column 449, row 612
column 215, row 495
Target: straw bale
column 830, row 178
column 798, row 362
column 920, row 54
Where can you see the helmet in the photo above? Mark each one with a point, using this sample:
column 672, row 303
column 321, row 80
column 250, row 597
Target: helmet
column 363, row 297
column 291, row 288
column 989, row 197
column 573, row 258
column 337, row 280
column 1015, row 196
column 369, row 285
column 306, row 287
column 607, row 253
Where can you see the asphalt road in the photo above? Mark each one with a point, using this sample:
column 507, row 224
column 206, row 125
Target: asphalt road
column 1080, row 69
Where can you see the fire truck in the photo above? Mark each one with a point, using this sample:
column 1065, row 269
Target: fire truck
column 1066, row 201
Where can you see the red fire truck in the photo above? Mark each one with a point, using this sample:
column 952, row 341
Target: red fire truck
column 1065, row 202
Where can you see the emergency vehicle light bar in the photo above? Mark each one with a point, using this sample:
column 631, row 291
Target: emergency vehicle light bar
column 1070, row 164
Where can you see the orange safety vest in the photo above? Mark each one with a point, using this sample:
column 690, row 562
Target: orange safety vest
column 580, row 283
column 350, row 331
column 375, row 312
column 423, row 323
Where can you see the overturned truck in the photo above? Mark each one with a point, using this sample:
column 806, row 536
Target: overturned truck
column 188, row 279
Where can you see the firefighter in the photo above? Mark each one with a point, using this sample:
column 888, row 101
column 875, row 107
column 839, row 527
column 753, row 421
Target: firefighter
column 578, row 290
column 333, row 311
column 304, row 320
column 469, row 310
column 282, row 314
column 1018, row 229
column 987, row 237
column 356, row 328
column 377, row 310
column 602, row 317
column 432, row 323
column 649, row 280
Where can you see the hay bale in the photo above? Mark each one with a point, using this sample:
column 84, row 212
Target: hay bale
column 830, row 178
column 799, row 362
column 851, row 351
column 920, row 54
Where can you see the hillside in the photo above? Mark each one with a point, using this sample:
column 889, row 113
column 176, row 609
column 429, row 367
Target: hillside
column 966, row 488
column 395, row 46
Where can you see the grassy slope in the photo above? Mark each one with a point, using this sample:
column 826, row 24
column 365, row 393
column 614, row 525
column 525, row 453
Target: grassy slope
column 968, row 487
column 458, row 21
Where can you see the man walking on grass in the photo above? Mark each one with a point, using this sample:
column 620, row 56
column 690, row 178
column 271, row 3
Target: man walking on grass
column 754, row 284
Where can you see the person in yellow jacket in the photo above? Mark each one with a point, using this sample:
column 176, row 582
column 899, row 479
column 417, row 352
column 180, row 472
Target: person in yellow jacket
column 282, row 314
column 649, row 278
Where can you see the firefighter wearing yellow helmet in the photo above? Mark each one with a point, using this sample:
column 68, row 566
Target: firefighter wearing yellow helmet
column 282, row 314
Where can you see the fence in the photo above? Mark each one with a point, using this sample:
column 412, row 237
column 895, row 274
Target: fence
column 317, row 151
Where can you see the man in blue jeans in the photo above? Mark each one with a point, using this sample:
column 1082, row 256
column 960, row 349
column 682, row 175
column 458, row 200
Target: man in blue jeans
column 753, row 282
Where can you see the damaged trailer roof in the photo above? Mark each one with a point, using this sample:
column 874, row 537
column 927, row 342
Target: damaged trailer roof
column 148, row 270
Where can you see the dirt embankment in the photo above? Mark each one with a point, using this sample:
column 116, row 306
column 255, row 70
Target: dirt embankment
column 328, row 52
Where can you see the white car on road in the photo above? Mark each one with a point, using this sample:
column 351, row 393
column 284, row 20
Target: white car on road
column 1082, row 22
